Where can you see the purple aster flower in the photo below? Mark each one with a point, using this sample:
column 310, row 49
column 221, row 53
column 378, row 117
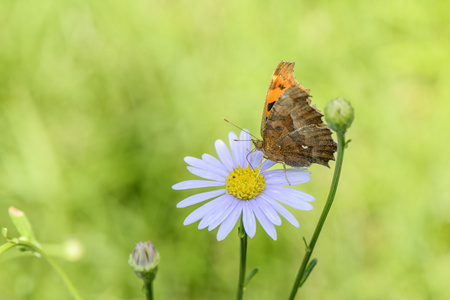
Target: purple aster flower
column 246, row 187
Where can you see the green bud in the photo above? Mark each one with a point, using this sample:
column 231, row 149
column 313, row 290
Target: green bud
column 5, row 232
column 22, row 224
column 144, row 260
column 339, row 114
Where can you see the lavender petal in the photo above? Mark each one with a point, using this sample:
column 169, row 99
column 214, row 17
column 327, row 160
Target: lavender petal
column 229, row 223
column 197, row 198
column 224, row 154
column 195, row 184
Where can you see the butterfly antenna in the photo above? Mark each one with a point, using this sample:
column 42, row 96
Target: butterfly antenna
column 240, row 128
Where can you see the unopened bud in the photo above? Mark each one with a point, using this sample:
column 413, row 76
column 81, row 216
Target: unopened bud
column 144, row 260
column 22, row 224
column 339, row 114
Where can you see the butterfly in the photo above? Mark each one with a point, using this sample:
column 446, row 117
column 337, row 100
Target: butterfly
column 292, row 130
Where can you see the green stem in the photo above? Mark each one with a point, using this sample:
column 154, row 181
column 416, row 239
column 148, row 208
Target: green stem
column 37, row 249
column 326, row 209
column 7, row 246
column 243, row 237
column 148, row 287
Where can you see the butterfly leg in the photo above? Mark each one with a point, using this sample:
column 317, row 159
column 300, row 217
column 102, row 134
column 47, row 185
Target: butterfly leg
column 259, row 168
column 250, row 153
column 285, row 173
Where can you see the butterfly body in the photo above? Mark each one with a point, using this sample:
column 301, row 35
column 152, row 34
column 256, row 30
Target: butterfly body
column 292, row 130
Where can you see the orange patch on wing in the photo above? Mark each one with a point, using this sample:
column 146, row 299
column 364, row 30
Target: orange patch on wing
column 282, row 79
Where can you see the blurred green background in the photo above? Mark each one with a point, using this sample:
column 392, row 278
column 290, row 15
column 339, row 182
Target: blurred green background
column 101, row 100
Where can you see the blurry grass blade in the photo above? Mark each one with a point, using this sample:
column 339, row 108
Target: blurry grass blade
column 22, row 224
column 308, row 270
column 250, row 275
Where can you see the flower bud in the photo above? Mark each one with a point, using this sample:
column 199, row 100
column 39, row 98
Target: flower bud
column 22, row 224
column 144, row 260
column 339, row 114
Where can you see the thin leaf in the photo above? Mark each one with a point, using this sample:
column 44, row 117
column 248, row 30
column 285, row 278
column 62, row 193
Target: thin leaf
column 250, row 275
column 308, row 270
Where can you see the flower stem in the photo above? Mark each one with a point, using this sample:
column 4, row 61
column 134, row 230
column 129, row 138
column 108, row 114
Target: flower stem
column 243, row 237
column 148, row 289
column 310, row 247
column 36, row 248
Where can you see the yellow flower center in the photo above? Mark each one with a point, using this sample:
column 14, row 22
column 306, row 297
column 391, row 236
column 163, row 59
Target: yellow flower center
column 245, row 183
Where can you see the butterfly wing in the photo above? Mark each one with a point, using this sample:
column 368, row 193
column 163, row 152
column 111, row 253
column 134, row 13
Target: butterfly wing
column 282, row 79
column 295, row 133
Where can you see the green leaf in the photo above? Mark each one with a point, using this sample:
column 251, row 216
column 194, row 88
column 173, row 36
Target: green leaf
column 347, row 142
column 250, row 275
column 307, row 248
column 241, row 232
column 308, row 270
